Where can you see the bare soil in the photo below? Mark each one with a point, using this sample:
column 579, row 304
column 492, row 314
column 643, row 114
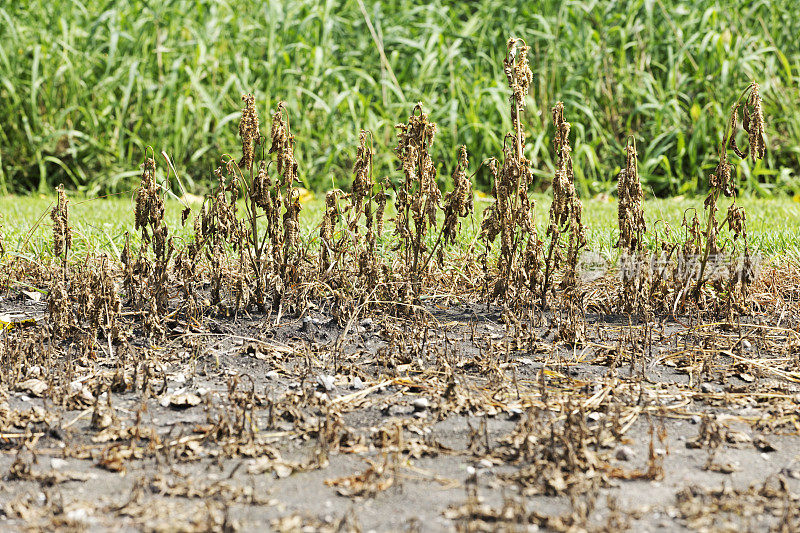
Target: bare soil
column 459, row 419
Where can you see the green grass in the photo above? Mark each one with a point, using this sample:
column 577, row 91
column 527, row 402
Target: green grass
column 99, row 225
column 86, row 86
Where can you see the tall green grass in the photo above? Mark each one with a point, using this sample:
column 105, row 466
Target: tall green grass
column 86, row 86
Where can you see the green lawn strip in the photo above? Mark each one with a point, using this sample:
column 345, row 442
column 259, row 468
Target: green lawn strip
column 99, row 225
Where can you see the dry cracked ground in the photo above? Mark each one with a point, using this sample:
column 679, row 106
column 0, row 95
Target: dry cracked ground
column 464, row 417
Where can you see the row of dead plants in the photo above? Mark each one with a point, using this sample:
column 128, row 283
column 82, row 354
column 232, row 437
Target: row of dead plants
column 248, row 250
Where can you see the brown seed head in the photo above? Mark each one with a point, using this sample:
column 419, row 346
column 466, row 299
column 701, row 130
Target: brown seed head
column 630, row 213
column 249, row 131
column 518, row 71
column 62, row 233
column 754, row 123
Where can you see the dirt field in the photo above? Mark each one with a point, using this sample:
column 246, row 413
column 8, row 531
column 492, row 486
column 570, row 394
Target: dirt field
column 466, row 418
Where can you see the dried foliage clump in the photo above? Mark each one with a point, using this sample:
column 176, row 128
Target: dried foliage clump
column 252, row 258
column 716, row 509
column 218, row 232
column 326, row 229
column 459, row 202
column 362, row 216
column 101, row 305
column 565, row 215
column 700, row 267
column 721, row 182
column 147, row 269
column 558, row 457
column 512, row 214
column 630, row 214
column 632, row 228
column 567, row 235
column 249, row 132
column 362, row 182
column 149, row 213
column 418, row 196
column 60, row 303
column 286, row 247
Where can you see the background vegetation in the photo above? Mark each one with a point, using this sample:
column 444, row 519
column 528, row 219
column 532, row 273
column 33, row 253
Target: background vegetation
column 85, row 86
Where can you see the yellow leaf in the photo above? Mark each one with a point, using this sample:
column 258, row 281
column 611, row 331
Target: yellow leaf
column 305, row 195
column 695, row 112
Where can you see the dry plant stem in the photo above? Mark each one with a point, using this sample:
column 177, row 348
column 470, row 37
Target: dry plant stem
column 363, row 252
column 712, row 212
column 565, row 212
column 251, row 137
column 149, row 218
column 265, row 261
column 2, row 247
column 519, row 79
column 418, row 197
column 511, row 216
column 722, row 181
column 459, row 203
column 62, row 233
column 630, row 214
column 631, row 231
column 287, row 256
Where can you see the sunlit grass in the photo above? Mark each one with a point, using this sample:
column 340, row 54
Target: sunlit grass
column 99, row 225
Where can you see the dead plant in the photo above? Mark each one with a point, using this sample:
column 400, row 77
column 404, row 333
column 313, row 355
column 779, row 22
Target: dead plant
column 62, row 233
column 512, row 214
column 722, row 182
column 565, row 219
column 632, row 228
column 459, row 202
column 418, row 196
column 149, row 219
